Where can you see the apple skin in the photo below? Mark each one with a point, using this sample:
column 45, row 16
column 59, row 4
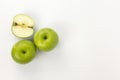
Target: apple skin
column 46, row 39
column 23, row 51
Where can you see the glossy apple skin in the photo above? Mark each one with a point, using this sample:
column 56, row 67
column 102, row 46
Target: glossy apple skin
column 23, row 51
column 46, row 39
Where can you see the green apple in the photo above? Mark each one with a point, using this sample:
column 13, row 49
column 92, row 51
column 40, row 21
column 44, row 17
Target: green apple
column 46, row 39
column 23, row 51
column 22, row 26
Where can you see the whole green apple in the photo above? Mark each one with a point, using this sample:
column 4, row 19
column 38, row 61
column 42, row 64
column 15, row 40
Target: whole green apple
column 46, row 39
column 23, row 51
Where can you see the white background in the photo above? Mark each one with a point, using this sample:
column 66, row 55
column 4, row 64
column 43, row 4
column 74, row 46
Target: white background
column 89, row 45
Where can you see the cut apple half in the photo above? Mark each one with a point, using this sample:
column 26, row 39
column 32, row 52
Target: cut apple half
column 22, row 26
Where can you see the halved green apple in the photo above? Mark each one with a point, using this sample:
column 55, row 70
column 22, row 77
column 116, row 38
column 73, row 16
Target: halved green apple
column 23, row 26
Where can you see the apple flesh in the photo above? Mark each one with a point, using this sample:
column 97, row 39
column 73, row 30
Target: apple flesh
column 46, row 39
column 22, row 26
column 23, row 51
